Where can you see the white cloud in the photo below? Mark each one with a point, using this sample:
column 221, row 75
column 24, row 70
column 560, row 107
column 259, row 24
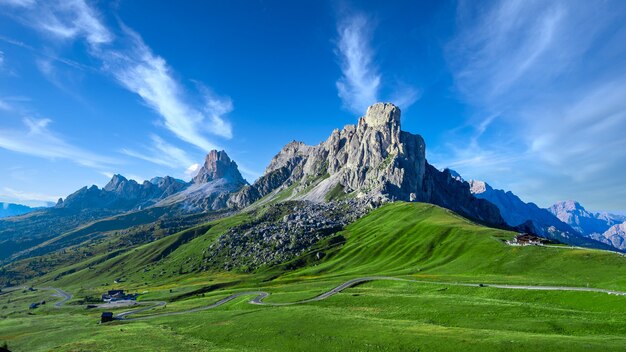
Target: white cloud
column 133, row 64
column 162, row 153
column 38, row 140
column 149, row 76
column 69, row 19
column 192, row 170
column 360, row 83
column 546, row 87
column 25, row 197
column 18, row 3
column 361, row 80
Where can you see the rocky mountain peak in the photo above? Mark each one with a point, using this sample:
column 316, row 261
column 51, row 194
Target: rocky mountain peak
column 116, row 182
column 382, row 114
column 374, row 161
column 217, row 165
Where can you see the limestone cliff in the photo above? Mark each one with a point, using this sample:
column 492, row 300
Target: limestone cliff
column 373, row 160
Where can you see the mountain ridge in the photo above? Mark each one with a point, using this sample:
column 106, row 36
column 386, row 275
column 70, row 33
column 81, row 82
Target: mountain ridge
column 373, row 161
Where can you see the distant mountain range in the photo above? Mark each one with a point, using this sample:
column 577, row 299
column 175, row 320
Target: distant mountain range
column 10, row 209
column 601, row 226
column 567, row 222
column 367, row 164
column 81, row 215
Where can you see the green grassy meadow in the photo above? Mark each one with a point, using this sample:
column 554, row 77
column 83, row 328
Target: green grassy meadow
column 407, row 240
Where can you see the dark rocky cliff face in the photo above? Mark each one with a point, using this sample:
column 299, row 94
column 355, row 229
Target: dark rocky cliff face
column 375, row 161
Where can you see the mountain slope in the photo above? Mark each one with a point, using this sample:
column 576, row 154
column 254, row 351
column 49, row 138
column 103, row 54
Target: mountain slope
column 532, row 218
column 422, row 239
column 76, row 218
column 396, row 239
column 373, row 161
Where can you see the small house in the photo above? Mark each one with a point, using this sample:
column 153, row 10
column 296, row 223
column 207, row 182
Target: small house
column 526, row 239
column 106, row 317
column 113, row 295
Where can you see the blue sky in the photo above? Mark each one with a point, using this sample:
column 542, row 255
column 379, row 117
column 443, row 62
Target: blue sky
column 527, row 95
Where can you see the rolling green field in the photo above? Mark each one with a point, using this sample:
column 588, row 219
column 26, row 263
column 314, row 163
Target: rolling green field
column 407, row 240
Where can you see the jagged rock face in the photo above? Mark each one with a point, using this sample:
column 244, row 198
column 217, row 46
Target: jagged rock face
column 575, row 215
column 216, row 181
column 217, row 165
column 528, row 217
column 443, row 189
column 372, row 160
column 614, row 236
column 515, row 211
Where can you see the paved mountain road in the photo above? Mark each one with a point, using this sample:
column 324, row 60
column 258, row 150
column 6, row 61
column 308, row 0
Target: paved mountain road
column 60, row 293
column 260, row 295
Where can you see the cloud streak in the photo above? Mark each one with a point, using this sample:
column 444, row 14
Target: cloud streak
column 162, row 153
column 128, row 59
column 359, row 85
column 140, row 71
column 544, row 81
column 361, row 81
column 27, row 198
column 36, row 139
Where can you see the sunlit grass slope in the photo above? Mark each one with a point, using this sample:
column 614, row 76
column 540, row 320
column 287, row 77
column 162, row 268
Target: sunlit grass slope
column 432, row 242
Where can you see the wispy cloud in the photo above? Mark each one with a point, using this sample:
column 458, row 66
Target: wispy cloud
column 361, row 80
column 27, row 198
column 149, row 76
column 129, row 60
column 18, row 3
column 162, row 153
column 544, row 81
column 359, row 85
column 38, row 140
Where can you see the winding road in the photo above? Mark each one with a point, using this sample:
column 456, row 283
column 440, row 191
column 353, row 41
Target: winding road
column 60, row 293
column 260, row 295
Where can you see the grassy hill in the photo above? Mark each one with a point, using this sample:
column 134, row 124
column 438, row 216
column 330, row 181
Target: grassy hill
column 410, row 240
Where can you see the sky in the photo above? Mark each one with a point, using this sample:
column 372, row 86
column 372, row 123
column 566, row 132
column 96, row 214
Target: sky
column 529, row 96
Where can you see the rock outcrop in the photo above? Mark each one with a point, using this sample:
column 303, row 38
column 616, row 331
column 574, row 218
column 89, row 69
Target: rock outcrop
column 217, row 165
column 211, row 188
column 373, row 160
column 614, row 236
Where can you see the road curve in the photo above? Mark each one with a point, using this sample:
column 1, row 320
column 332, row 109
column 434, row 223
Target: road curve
column 60, row 293
column 260, row 295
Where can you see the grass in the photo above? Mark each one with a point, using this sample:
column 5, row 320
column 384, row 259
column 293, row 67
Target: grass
column 417, row 241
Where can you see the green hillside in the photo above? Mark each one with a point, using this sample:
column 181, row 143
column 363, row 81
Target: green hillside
column 408, row 240
column 426, row 240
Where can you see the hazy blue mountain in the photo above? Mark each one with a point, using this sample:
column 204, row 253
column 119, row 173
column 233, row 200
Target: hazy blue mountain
column 615, row 236
column 529, row 216
column 10, row 209
column 585, row 222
